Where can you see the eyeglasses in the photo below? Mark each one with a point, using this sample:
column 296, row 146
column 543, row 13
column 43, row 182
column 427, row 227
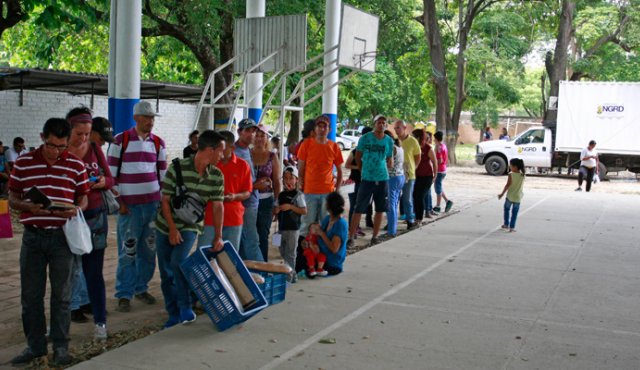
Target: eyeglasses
column 60, row 148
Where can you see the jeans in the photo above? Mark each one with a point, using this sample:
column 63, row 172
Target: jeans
column 395, row 187
column 263, row 224
column 316, row 211
column 79, row 294
column 175, row 287
column 136, row 258
column 230, row 233
column 407, row 200
column 352, row 200
column 514, row 207
column 438, row 183
column 92, row 264
column 289, row 247
column 423, row 184
column 41, row 248
column 249, row 242
column 589, row 172
column 428, row 200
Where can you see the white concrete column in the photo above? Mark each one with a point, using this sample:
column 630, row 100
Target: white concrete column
column 331, row 37
column 255, row 9
column 124, row 61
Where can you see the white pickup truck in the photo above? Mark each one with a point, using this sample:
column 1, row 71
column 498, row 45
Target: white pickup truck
column 607, row 112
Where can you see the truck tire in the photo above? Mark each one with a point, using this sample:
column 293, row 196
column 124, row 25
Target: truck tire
column 635, row 170
column 602, row 171
column 341, row 146
column 495, row 165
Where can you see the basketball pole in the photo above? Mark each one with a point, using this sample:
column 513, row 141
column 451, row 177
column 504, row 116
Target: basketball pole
column 125, row 32
column 255, row 9
column 331, row 39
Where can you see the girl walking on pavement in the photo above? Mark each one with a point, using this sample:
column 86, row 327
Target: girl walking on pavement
column 513, row 188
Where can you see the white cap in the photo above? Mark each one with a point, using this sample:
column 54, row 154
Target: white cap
column 144, row 108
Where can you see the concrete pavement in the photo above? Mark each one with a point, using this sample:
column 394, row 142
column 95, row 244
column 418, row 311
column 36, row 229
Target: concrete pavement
column 563, row 292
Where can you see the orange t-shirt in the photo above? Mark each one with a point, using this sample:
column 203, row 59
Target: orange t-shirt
column 237, row 178
column 319, row 161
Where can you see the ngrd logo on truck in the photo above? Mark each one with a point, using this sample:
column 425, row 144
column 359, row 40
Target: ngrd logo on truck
column 610, row 110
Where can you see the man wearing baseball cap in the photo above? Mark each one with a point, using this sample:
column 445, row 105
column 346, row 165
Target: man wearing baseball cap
column 249, row 241
column 101, row 131
column 138, row 161
column 317, row 157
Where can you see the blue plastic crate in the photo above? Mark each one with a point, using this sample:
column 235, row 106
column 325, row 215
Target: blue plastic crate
column 274, row 287
column 212, row 295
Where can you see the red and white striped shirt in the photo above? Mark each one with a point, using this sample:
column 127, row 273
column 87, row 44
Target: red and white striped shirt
column 64, row 181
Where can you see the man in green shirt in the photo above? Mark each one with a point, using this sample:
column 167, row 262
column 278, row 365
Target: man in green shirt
column 412, row 155
column 174, row 237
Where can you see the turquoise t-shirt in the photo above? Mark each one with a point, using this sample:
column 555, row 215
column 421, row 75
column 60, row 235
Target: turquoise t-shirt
column 341, row 229
column 374, row 156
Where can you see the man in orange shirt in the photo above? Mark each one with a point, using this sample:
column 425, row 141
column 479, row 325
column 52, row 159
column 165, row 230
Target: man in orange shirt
column 237, row 188
column 316, row 160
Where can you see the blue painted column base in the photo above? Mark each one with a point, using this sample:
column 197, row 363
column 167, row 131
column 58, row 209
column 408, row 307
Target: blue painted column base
column 333, row 127
column 121, row 114
column 255, row 114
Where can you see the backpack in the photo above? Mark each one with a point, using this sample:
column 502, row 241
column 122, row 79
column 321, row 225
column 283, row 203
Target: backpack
column 125, row 144
column 187, row 206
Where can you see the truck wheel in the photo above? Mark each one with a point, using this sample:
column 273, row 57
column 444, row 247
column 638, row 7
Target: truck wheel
column 602, row 171
column 341, row 146
column 634, row 169
column 495, row 165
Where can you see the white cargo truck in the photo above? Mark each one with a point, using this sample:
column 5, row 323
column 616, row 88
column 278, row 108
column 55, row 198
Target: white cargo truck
column 607, row 112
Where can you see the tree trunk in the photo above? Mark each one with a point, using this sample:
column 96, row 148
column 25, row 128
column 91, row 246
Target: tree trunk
column 10, row 14
column 557, row 70
column 437, row 56
column 294, row 126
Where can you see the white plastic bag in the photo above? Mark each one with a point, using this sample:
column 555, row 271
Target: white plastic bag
column 78, row 234
column 596, row 178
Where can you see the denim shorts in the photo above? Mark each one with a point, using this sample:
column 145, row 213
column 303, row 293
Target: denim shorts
column 368, row 189
column 438, row 183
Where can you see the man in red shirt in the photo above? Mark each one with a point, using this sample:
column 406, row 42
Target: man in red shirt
column 62, row 177
column 237, row 188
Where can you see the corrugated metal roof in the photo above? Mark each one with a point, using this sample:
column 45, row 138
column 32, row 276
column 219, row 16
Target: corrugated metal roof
column 76, row 83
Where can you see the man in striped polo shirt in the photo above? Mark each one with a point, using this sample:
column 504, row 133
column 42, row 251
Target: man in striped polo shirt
column 62, row 177
column 138, row 160
column 174, row 237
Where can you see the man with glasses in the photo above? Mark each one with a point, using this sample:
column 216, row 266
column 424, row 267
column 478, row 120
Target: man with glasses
column 138, row 160
column 317, row 158
column 60, row 176
column 14, row 152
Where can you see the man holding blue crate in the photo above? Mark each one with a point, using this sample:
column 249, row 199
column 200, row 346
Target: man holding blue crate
column 188, row 185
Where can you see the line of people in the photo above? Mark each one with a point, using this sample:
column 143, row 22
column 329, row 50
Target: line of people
column 242, row 188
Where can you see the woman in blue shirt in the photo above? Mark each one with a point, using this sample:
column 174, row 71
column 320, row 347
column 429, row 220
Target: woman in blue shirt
column 332, row 234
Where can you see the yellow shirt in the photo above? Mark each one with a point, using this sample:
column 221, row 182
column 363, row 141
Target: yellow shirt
column 411, row 149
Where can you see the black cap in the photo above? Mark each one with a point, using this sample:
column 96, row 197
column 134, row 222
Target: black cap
column 246, row 123
column 103, row 127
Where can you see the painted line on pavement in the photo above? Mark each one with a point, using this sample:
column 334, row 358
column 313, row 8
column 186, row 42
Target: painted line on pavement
column 366, row 307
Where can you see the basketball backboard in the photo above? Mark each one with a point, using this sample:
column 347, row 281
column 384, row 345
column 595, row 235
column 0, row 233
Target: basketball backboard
column 358, row 39
column 263, row 36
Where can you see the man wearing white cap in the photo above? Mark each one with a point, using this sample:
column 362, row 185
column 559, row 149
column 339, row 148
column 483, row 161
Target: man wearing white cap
column 138, row 161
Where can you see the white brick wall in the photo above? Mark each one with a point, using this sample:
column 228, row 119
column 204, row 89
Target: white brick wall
column 26, row 121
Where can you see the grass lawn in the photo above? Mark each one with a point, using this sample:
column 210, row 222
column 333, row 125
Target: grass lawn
column 466, row 152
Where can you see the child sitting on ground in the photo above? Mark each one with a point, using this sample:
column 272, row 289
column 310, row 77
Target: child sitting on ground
column 311, row 250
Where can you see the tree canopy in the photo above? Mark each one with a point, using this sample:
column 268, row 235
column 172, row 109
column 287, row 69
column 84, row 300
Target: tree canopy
column 487, row 57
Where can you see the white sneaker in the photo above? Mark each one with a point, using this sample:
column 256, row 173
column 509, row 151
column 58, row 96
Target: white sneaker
column 100, row 332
